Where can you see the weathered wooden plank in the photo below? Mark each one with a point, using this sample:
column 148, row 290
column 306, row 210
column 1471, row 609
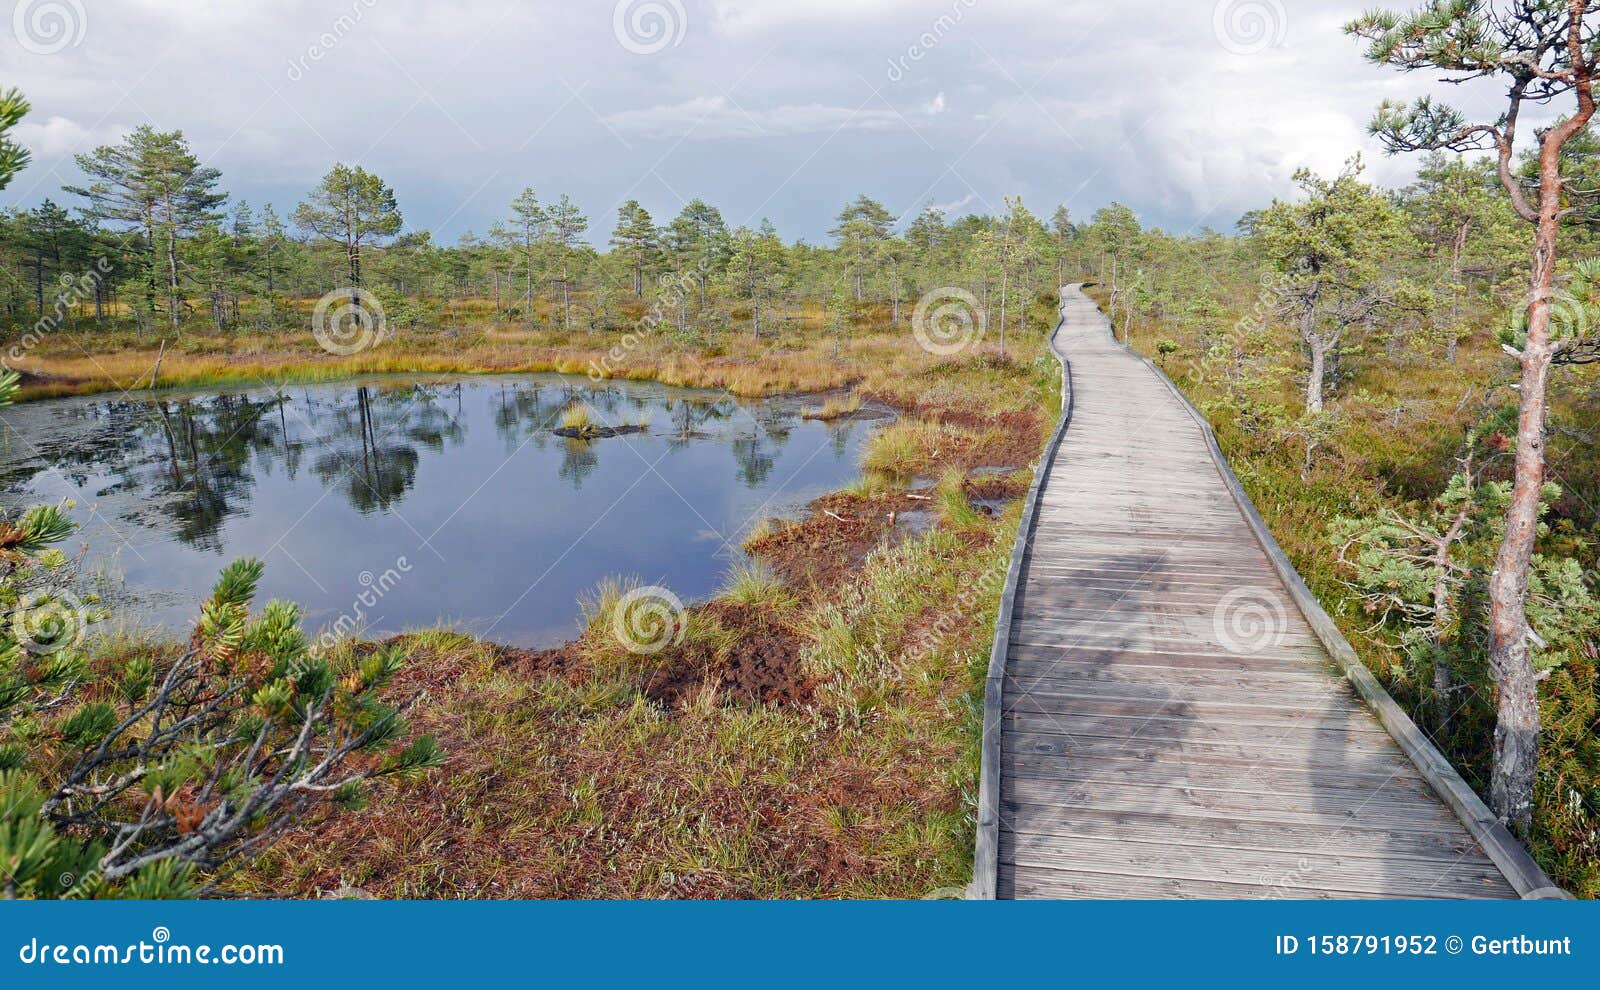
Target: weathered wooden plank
column 1040, row 882
column 1245, row 776
column 1134, row 745
column 1067, row 673
column 1400, row 809
column 1162, row 730
column 1182, row 659
column 1301, row 749
column 1304, row 697
column 1300, row 764
column 1382, row 877
column 1358, row 840
column 1186, row 710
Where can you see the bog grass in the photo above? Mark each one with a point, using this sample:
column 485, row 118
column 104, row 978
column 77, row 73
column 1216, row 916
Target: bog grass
column 563, row 778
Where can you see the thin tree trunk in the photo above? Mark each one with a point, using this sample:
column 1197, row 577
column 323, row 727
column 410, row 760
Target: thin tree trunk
column 175, row 301
column 1003, row 285
column 1319, row 358
column 1516, row 732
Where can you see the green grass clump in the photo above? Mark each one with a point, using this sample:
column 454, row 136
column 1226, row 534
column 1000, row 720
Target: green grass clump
column 755, row 584
column 869, row 484
column 834, row 408
column 578, row 417
column 910, row 447
column 954, row 509
column 764, row 528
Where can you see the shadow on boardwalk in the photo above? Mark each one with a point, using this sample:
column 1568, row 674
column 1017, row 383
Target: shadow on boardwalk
column 1170, row 725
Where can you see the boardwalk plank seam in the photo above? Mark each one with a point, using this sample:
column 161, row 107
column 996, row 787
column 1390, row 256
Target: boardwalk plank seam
column 1120, row 525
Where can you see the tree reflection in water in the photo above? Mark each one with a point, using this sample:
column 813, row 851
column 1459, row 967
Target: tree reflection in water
column 329, row 481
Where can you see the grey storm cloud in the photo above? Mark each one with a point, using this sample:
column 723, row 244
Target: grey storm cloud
column 1190, row 111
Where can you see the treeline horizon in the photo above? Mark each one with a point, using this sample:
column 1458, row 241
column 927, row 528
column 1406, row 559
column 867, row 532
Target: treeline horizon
column 150, row 231
column 151, row 240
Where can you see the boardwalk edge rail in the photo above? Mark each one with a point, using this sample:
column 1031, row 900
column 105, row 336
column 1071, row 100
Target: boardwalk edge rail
column 986, row 848
column 1502, row 847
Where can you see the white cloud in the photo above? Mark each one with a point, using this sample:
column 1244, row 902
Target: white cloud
column 778, row 109
column 60, row 137
column 718, row 118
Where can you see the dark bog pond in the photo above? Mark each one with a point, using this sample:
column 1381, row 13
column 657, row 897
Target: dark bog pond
column 401, row 502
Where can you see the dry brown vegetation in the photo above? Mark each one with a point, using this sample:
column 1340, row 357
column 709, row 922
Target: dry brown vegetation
column 814, row 732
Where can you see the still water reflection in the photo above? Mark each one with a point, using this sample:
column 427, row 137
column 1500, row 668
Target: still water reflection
column 456, row 489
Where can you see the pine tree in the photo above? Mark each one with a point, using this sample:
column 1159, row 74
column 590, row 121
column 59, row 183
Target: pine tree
column 862, row 231
column 351, row 208
column 567, row 227
column 154, row 185
column 637, row 240
column 13, row 156
column 698, row 243
column 525, row 232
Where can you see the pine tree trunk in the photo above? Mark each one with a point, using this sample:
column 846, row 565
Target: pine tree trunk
column 175, row 300
column 1003, row 281
column 1319, row 359
column 566, row 298
column 1516, row 731
column 1516, row 734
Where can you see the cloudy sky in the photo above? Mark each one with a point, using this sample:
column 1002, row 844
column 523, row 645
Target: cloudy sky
column 1191, row 111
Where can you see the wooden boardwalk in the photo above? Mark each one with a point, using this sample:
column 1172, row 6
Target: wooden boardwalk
column 1169, row 721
